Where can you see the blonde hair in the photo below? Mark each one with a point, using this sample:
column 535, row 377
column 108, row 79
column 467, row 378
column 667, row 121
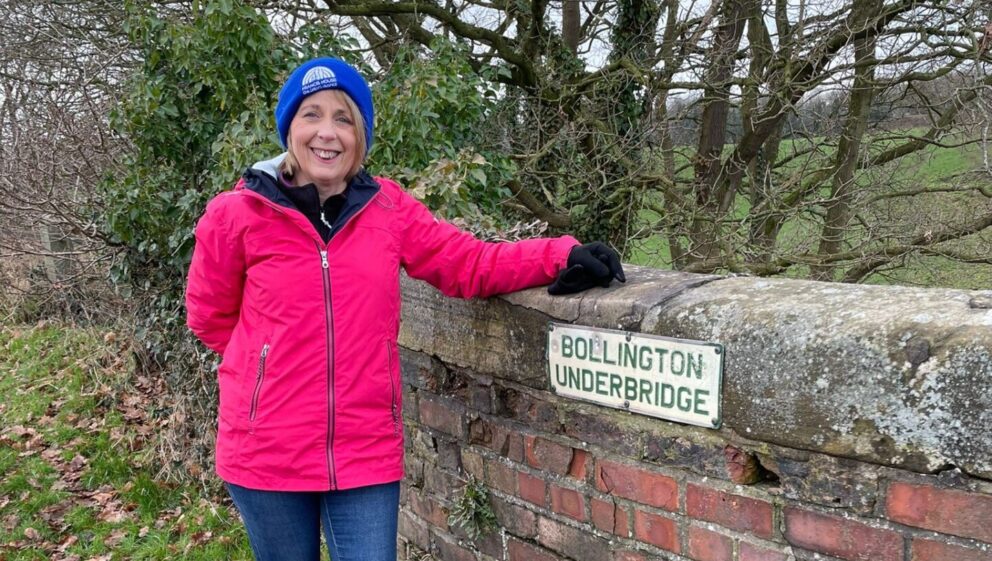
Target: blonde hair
column 290, row 164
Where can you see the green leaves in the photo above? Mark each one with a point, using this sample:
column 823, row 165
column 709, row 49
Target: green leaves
column 196, row 115
column 472, row 511
column 200, row 74
column 430, row 134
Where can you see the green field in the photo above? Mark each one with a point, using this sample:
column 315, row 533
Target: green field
column 933, row 168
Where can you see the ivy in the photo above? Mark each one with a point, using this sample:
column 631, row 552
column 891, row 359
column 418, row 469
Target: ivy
column 201, row 77
column 431, row 134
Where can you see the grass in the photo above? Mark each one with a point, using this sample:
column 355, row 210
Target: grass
column 78, row 478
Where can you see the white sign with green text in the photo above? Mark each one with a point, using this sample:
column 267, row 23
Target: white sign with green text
column 673, row 379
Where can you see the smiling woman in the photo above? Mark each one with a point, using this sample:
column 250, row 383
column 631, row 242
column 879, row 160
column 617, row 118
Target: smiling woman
column 295, row 282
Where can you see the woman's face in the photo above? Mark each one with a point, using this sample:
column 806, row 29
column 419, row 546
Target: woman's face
column 322, row 137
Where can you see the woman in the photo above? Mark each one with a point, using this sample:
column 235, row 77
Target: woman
column 295, row 282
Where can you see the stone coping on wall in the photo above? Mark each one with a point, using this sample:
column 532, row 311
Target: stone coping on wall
column 896, row 376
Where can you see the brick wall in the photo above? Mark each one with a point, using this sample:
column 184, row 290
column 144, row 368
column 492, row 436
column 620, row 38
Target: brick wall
column 575, row 481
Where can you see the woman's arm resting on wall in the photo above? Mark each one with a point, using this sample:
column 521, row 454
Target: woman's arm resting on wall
column 460, row 265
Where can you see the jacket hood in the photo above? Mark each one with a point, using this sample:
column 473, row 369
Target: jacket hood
column 271, row 166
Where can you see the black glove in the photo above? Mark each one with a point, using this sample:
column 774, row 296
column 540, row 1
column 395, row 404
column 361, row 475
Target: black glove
column 589, row 265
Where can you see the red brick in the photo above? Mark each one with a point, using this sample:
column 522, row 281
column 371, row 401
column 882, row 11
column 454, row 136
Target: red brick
column 501, row 476
column 428, row 510
column 489, row 545
column 472, row 464
column 609, row 517
column 751, row 552
column 603, row 516
column 841, row 537
column 515, row 519
column 523, row 551
column 575, row 543
column 531, row 488
column 656, row 530
column 515, row 447
column 526, row 408
column 450, row 550
column 414, row 530
column 443, row 484
column 637, row 485
column 529, row 441
column 579, row 467
column 621, row 525
column 948, row 511
column 547, row 455
column 705, row 545
column 497, row 438
column 441, row 416
column 731, row 511
column 568, row 502
column 926, row 550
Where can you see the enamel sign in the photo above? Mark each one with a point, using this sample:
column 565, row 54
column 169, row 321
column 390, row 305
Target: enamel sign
column 674, row 379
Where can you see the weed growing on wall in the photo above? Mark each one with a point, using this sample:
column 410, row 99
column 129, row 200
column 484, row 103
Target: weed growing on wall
column 472, row 512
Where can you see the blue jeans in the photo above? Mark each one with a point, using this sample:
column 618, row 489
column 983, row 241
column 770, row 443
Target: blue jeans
column 359, row 524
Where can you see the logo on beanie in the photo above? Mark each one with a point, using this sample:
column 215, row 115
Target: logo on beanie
column 318, row 78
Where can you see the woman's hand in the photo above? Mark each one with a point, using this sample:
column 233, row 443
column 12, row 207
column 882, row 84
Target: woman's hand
column 589, row 265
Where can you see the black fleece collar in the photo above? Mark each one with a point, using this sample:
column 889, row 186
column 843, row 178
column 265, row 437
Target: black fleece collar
column 360, row 191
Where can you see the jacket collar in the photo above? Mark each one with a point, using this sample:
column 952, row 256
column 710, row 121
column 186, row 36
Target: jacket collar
column 262, row 179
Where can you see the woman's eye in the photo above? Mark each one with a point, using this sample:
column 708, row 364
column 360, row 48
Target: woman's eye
column 345, row 120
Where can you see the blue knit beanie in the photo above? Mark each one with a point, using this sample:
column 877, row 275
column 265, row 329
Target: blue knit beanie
column 323, row 74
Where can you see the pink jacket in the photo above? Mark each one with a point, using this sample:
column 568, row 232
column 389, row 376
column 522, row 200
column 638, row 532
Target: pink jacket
column 310, row 378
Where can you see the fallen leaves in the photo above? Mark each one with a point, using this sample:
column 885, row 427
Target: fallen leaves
column 115, row 538
column 72, row 518
column 66, row 543
column 77, row 463
column 32, row 534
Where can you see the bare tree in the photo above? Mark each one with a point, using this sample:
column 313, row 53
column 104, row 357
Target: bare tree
column 594, row 115
column 758, row 136
column 60, row 65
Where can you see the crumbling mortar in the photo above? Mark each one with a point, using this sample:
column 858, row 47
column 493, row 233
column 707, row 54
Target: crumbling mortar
column 879, row 523
column 748, row 491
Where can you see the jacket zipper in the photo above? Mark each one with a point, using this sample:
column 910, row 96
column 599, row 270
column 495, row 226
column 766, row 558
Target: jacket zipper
column 329, row 319
column 259, row 377
column 328, row 314
column 392, row 389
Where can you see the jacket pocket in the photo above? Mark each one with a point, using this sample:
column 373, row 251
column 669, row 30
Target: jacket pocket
column 259, row 379
column 393, row 391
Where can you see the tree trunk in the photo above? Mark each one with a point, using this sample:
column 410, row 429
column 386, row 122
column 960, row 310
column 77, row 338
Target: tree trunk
column 843, row 189
column 765, row 223
column 570, row 24
column 713, row 127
